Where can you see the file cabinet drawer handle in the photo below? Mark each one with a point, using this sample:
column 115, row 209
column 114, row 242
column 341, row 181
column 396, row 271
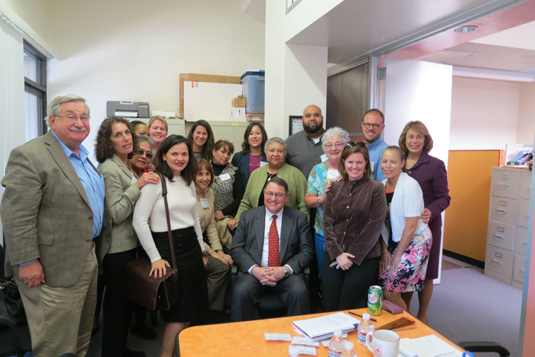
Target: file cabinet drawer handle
column 497, row 236
column 501, row 210
column 503, row 184
column 496, row 262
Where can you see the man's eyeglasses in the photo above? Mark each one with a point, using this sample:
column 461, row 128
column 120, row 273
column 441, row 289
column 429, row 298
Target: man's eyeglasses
column 375, row 125
column 271, row 194
column 336, row 144
column 147, row 154
column 73, row 118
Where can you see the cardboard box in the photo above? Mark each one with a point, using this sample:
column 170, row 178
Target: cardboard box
column 239, row 101
column 255, row 117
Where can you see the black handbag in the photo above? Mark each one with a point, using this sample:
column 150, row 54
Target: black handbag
column 11, row 308
column 152, row 293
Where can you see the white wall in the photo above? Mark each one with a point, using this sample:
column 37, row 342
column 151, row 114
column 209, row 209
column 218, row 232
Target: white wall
column 296, row 75
column 526, row 114
column 417, row 90
column 484, row 114
column 306, row 13
column 135, row 50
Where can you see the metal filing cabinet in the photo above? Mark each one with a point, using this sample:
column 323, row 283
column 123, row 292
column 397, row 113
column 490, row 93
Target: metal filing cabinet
column 507, row 228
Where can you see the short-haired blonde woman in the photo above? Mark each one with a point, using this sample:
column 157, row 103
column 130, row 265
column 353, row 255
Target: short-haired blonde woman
column 158, row 130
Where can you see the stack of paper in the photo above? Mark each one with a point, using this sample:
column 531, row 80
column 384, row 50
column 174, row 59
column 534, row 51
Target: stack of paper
column 320, row 328
column 427, row 346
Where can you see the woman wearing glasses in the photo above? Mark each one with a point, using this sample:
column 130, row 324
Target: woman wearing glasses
column 115, row 144
column 353, row 215
column 320, row 180
column 142, row 157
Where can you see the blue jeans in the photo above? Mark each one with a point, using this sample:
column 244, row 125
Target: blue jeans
column 319, row 243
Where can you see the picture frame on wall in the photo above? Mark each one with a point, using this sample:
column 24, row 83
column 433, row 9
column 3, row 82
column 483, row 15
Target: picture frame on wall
column 295, row 124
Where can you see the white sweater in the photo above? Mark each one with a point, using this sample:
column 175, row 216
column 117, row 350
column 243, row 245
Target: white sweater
column 150, row 207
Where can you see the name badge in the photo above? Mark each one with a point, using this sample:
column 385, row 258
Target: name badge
column 224, row 177
column 204, row 203
column 332, row 174
column 263, row 163
column 372, row 165
column 324, row 158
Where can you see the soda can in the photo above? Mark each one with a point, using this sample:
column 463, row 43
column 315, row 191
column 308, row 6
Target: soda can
column 375, row 300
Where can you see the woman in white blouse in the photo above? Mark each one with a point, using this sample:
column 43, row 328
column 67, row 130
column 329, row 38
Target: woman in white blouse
column 174, row 161
column 407, row 238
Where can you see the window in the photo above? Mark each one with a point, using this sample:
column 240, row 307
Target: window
column 35, row 91
column 348, row 98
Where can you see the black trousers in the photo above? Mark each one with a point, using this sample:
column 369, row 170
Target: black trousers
column 247, row 290
column 117, row 310
column 348, row 289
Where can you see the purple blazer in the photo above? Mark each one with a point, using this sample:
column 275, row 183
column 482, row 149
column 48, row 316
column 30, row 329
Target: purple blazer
column 431, row 174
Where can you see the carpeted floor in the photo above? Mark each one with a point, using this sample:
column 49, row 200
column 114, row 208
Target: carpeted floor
column 469, row 306
column 466, row 306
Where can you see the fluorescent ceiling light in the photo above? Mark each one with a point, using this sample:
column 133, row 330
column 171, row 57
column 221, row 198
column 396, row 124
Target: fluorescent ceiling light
column 493, row 74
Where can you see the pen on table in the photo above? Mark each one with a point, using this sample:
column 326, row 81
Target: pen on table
column 404, row 328
column 354, row 313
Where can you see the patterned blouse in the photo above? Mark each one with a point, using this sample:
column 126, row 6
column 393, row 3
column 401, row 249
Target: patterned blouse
column 320, row 176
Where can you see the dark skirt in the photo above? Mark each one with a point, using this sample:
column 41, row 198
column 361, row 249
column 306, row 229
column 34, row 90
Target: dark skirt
column 191, row 274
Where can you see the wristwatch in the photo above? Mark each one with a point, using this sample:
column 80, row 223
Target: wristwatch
column 286, row 271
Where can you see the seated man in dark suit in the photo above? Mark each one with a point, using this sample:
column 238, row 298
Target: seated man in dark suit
column 271, row 248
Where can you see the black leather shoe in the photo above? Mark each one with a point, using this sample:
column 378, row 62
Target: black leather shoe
column 143, row 331
column 130, row 353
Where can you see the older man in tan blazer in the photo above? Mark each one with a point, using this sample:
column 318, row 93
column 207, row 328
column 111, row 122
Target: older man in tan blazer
column 52, row 210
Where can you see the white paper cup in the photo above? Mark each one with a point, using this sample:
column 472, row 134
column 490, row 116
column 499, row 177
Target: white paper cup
column 383, row 343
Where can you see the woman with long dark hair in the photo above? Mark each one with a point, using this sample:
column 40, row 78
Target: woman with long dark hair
column 174, row 161
column 201, row 138
column 253, row 153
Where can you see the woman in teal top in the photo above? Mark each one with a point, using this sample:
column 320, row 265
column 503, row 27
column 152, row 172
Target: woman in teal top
column 320, row 180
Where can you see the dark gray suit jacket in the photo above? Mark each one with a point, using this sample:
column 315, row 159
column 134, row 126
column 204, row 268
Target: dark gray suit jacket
column 295, row 243
column 45, row 212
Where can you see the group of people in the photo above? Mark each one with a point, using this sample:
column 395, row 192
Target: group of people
column 363, row 208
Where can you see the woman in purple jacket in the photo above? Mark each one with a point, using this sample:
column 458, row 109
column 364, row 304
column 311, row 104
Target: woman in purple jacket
column 430, row 173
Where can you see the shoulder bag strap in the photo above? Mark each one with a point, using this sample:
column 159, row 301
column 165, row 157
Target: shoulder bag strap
column 164, row 194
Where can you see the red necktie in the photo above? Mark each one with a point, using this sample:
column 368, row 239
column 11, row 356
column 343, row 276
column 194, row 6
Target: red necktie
column 273, row 250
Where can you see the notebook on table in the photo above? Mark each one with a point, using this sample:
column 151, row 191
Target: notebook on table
column 320, row 328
